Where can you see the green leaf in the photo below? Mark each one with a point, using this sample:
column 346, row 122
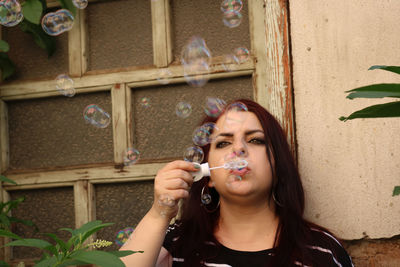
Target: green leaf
column 93, row 230
column 89, row 228
column 100, row 258
column 6, row 65
column 6, row 233
column 396, row 191
column 4, row 46
column 67, row 4
column 375, row 91
column 25, row 222
column 71, row 263
column 61, row 243
column 4, row 264
column 124, row 253
column 391, row 109
column 32, row 10
column 4, row 220
column 42, row 39
column 5, row 179
column 29, row 242
column 395, row 69
column 47, row 262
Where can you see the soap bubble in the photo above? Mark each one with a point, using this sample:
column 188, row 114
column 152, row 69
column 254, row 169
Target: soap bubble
column 214, row 106
column 235, row 118
column 241, row 55
column 131, row 156
column 196, row 73
column 183, row 109
column 231, row 5
column 55, row 23
column 164, row 75
column 81, row 4
column 65, row 85
column 96, row 116
column 232, row 19
column 195, row 50
column 145, row 102
column 237, row 106
column 194, row 154
column 228, row 61
column 202, row 135
column 205, row 198
column 123, row 235
column 235, row 160
column 10, row 13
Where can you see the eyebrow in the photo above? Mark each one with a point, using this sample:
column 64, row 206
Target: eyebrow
column 249, row 132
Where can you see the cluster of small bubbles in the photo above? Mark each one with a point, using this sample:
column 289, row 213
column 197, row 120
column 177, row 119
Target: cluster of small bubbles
column 131, row 156
column 214, row 106
column 10, row 13
column 145, row 102
column 235, row 161
column 202, row 135
column 65, row 85
column 183, row 109
column 123, row 235
column 194, row 154
column 55, row 23
column 96, row 116
column 164, row 75
column 196, row 59
column 241, row 55
column 81, row 4
column 231, row 9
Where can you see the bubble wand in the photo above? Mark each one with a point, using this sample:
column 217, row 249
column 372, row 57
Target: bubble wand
column 205, row 168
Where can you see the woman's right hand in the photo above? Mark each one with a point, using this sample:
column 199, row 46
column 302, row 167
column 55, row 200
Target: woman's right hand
column 171, row 184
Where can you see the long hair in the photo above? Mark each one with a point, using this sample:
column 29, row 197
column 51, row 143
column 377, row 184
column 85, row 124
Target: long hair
column 197, row 224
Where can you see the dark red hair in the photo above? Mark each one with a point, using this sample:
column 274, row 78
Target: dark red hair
column 197, row 225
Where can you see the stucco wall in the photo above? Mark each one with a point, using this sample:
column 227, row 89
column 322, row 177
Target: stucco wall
column 349, row 168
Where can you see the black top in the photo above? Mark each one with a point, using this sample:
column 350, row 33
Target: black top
column 325, row 249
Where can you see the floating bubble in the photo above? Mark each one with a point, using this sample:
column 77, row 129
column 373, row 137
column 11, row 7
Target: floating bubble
column 214, row 106
column 194, row 154
column 10, row 13
column 237, row 106
column 145, row 102
column 237, row 117
column 195, row 50
column 196, row 73
column 96, row 116
column 235, row 160
column 183, row 109
column 81, row 4
column 131, row 156
column 228, row 61
column 164, row 75
column 55, row 23
column 65, row 85
column 123, row 235
column 202, row 135
column 231, row 5
column 241, row 55
column 206, row 199
column 232, row 19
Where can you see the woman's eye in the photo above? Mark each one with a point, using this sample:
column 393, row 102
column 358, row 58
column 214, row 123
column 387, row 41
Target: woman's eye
column 221, row 144
column 257, row 141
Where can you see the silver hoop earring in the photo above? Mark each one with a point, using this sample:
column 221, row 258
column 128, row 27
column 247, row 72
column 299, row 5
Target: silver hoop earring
column 276, row 201
column 206, row 200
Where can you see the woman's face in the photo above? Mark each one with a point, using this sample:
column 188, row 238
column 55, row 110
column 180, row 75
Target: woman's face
column 239, row 135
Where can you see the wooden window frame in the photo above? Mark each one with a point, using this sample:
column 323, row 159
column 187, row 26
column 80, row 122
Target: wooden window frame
column 269, row 66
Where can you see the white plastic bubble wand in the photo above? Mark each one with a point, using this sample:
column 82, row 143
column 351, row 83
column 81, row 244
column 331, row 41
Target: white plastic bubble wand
column 205, row 168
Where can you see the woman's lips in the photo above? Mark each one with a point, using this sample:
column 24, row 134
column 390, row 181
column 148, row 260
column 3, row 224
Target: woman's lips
column 240, row 172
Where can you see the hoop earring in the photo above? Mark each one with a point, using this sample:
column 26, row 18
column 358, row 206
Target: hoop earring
column 276, row 201
column 206, row 200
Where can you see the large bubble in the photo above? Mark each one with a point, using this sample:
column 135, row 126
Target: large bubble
column 241, row 55
column 194, row 154
column 10, row 13
column 214, row 106
column 231, row 5
column 96, row 116
column 232, row 19
column 183, row 110
column 203, row 135
column 196, row 73
column 81, row 4
column 55, row 23
column 65, row 85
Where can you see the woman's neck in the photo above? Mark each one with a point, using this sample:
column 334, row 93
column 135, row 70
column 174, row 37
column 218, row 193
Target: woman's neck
column 247, row 228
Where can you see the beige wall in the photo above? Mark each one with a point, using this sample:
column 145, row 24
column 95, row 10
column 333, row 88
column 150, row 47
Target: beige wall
column 349, row 168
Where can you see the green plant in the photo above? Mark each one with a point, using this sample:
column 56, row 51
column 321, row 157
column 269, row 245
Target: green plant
column 391, row 109
column 75, row 251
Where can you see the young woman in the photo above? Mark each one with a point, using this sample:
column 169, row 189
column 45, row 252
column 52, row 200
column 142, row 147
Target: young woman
column 246, row 216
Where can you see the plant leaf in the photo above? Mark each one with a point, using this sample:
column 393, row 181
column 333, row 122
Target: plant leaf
column 61, row 243
column 5, row 179
column 32, row 10
column 25, row 222
column 100, row 258
column 4, row 264
column 67, row 4
column 123, row 253
column 395, row 69
column 29, row 242
column 6, row 65
column 396, row 191
column 42, row 39
column 391, row 109
column 94, row 229
column 4, row 46
column 46, row 262
column 6, row 233
column 71, row 262
column 375, row 91
column 4, row 220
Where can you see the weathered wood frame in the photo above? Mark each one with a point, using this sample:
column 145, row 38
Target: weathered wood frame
column 270, row 67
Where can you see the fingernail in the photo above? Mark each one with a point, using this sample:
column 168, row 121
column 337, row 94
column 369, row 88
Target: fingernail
column 196, row 165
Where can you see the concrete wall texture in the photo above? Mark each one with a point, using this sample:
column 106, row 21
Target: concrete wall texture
column 349, row 168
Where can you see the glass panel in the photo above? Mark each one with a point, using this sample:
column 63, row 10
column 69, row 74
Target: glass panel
column 159, row 132
column 120, row 34
column 51, row 132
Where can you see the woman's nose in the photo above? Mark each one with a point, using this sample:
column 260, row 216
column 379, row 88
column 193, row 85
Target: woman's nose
column 240, row 148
